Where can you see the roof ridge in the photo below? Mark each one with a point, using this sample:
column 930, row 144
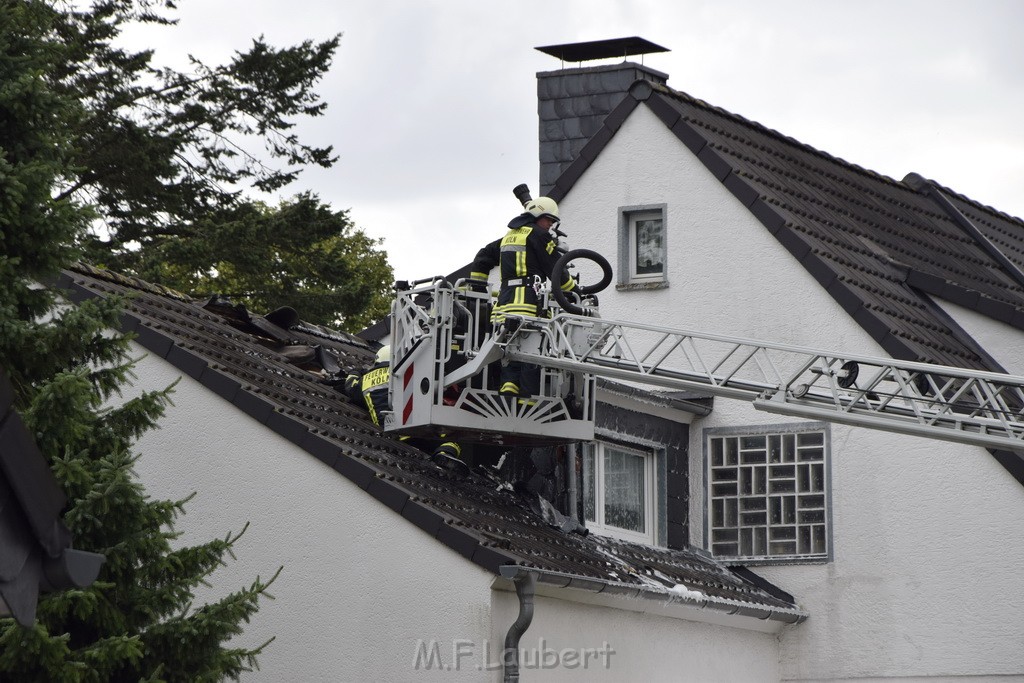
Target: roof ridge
column 128, row 281
column 138, row 283
column 680, row 95
column 696, row 101
column 974, row 203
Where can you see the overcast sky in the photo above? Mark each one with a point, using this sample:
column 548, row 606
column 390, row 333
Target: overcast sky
column 432, row 103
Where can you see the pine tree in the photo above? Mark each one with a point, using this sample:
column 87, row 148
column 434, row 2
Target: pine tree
column 137, row 621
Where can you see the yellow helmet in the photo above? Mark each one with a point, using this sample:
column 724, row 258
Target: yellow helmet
column 542, row 206
column 384, row 354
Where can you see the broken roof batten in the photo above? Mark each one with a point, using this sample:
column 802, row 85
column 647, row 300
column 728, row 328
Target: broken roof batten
column 602, row 49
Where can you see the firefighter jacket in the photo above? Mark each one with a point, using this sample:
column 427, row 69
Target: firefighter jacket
column 371, row 388
column 526, row 252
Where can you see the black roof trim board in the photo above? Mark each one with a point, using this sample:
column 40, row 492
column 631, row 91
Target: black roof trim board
column 425, row 518
column 225, row 386
column 964, row 337
column 1012, row 461
column 715, row 162
column 936, row 286
column 389, row 493
column 741, row 189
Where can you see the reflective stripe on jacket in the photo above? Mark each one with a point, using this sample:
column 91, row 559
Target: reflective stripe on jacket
column 523, row 254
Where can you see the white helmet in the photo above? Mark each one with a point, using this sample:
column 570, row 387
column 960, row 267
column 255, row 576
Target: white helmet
column 384, row 354
column 542, row 206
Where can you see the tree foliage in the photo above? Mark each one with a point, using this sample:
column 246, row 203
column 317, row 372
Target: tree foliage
column 329, row 272
column 166, row 157
column 137, row 621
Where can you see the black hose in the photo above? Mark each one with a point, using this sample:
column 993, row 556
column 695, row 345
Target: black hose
column 559, row 275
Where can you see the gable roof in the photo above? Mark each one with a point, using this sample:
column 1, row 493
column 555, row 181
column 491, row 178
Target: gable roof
column 282, row 372
column 880, row 247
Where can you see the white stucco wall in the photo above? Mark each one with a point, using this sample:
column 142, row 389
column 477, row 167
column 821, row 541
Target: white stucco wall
column 367, row 596
column 642, row 647
column 925, row 578
column 361, row 585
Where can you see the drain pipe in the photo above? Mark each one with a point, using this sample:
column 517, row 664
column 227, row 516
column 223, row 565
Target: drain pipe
column 526, row 584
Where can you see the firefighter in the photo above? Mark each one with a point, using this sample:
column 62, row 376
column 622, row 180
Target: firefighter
column 526, row 256
column 370, row 388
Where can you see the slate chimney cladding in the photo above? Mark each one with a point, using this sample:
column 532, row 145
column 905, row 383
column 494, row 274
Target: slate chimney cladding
column 572, row 105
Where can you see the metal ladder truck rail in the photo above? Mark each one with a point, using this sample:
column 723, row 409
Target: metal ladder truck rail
column 941, row 402
column 444, row 355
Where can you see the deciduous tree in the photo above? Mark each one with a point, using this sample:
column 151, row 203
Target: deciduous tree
column 171, row 159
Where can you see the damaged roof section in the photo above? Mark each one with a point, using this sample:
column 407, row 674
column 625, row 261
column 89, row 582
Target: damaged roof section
column 283, row 373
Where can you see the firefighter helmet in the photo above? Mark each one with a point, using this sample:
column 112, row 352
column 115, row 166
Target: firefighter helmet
column 384, row 354
column 542, row 206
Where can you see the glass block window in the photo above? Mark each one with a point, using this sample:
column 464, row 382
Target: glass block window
column 618, row 492
column 769, row 495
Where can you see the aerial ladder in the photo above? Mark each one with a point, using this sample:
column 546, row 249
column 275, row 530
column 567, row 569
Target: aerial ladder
column 445, row 359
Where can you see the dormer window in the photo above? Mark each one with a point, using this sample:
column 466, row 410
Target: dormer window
column 619, row 492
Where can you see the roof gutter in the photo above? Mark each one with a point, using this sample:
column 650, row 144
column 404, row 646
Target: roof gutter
column 662, row 600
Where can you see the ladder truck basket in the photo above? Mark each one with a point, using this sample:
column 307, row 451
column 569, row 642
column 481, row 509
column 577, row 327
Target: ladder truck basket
column 445, row 364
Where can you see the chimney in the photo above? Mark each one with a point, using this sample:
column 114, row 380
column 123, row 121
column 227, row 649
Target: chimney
column 572, row 103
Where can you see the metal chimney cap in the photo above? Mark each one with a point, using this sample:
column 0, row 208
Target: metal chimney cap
column 602, row 49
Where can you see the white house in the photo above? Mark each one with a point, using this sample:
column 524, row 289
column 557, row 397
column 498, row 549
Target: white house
column 911, row 570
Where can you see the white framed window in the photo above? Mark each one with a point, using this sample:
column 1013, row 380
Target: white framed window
column 769, row 493
column 619, row 493
column 643, row 246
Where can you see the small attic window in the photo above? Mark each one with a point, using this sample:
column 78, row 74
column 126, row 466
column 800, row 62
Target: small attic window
column 643, row 250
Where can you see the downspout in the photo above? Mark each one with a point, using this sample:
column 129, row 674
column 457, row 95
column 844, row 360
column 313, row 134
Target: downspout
column 526, row 583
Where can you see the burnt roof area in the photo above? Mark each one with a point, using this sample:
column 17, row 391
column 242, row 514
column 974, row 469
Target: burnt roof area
column 882, row 248
column 285, row 374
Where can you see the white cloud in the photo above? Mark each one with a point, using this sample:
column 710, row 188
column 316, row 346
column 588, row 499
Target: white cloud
column 433, row 111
